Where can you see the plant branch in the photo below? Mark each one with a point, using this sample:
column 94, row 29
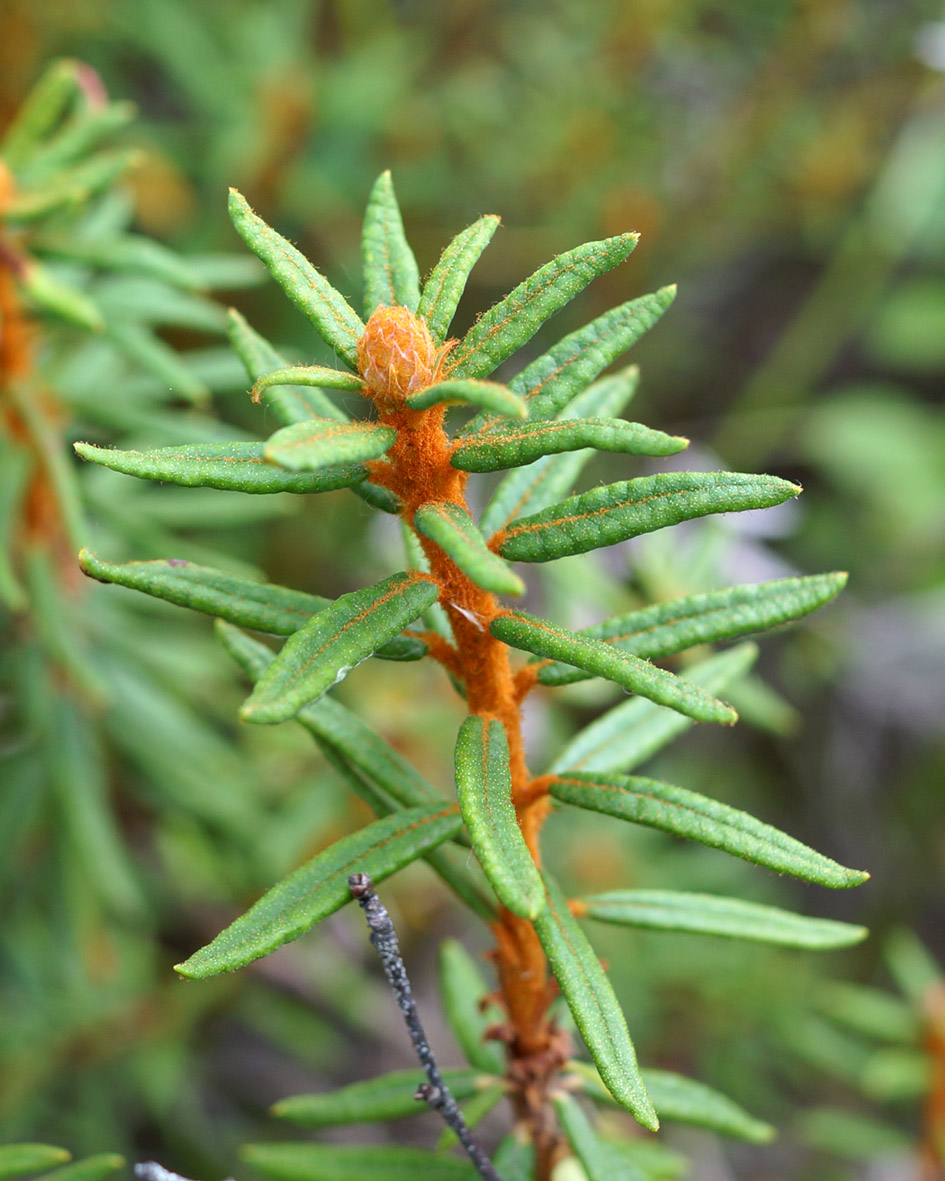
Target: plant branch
column 435, row 1093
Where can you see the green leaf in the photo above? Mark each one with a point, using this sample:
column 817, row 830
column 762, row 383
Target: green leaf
column 484, row 788
column 128, row 253
column 635, row 730
column 342, row 730
column 72, row 187
column 870, row 1011
column 373, row 770
column 709, row 914
column 464, row 990
column 683, row 1100
column 42, row 109
column 343, row 1162
column 851, row 1135
column 615, row 512
column 600, row 659
column 677, row 624
column 552, row 380
column 593, row 1005
column 514, row 1159
column 92, row 1168
column 455, row 532
column 599, row 1163
column 320, row 887
column 262, row 606
column 488, row 394
column 149, row 353
column 444, row 288
column 320, row 443
column 687, row 814
column 51, row 294
column 513, row 321
column 476, row 1110
column 288, row 403
column 518, row 445
column 235, row 467
column 77, row 138
column 389, row 1097
column 391, row 277
column 337, row 322
column 16, row 465
column 29, row 1158
column 307, row 375
column 333, row 642
column 546, row 480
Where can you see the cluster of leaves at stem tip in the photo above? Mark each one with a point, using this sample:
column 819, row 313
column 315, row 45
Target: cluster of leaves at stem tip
column 541, row 428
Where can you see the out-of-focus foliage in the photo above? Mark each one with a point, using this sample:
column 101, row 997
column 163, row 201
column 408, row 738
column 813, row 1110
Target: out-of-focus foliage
column 784, row 163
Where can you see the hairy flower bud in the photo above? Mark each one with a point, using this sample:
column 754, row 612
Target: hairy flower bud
column 396, row 354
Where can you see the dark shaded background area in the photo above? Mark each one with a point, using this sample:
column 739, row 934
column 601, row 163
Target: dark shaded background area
column 785, row 164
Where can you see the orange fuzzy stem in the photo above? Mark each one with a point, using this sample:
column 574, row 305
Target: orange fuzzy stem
column 396, row 357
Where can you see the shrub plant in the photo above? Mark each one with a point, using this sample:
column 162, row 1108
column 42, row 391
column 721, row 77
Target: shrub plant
column 95, row 810
column 432, row 417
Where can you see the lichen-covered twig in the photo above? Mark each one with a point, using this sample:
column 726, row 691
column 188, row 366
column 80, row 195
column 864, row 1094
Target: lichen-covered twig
column 435, row 1092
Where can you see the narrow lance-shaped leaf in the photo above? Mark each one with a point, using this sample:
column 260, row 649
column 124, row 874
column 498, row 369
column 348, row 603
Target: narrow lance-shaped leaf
column 333, row 642
column 307, row 375
column 546, row 480
column 91, row 1168
column 392, row 1096
column 551, row 381
column 71, row 187
column 455, row 532
column 600, row 659
column 338, row 727
column 687, row 814
column 484, row 788
column 444, row 288
column 262, row 606
column 320, row 887
column 599, row 1163
column 391, row 277
column 685, row 1101
column 513, row 321
column 518, row 445
column 348, row 1162
column 77, row 138
column 468, row 1015
column 289, row 403
column 320, row 443
column 308, row 289
column 234, row 467
column 710, row 914
column 593, row 1005
column 677, row 624
column 632, row 732
column 29, row 1158
column 38, row 114
column 489, row 394
column 50, row 294
column 373, row 770
column 127, row 253
column 615, row 512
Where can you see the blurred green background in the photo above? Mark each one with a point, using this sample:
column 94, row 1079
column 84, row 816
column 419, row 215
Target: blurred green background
column 785, row 164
